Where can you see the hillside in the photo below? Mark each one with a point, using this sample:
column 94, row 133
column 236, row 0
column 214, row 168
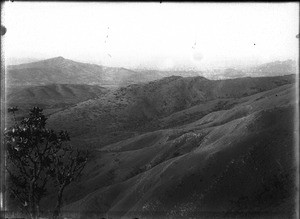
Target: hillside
column 140, row 108
column 64, row 71
column 177, row 147
column 234, row 161
column 51, row 98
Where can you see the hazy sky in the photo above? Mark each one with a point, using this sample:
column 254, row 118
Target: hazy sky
column 153, row 35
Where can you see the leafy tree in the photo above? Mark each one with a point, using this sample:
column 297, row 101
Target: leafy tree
column 67, row 165
column 37, row 155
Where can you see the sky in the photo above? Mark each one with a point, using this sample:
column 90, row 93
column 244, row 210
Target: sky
column 152, row 35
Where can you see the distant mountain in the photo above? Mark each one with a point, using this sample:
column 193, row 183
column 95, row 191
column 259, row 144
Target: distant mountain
column 276, row 68
column 233, row 73
column 64, row 71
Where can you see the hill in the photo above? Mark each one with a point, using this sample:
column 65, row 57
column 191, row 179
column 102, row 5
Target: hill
column 234, row 161
column 51, row 98
column 64, row 71
column 140, row 108
column 276, row 68
column 53, row 95
column 59, row 70
column 270, row 69
column 177, row 147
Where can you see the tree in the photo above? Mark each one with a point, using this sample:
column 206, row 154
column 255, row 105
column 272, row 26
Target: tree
column 66, row 167
column 36, row 155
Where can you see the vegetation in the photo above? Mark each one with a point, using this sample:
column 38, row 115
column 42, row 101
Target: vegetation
column 37, row 156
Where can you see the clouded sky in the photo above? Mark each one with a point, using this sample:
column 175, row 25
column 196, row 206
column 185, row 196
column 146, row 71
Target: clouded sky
column 153, row 35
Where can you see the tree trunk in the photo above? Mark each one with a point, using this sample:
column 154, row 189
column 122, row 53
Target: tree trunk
column 37, row 209
column 32, row 203
column 59, row 202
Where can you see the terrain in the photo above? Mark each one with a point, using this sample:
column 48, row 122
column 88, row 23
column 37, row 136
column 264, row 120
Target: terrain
column 238, row 162
column 51, row 97
column 172, row 147
column 164, row 103
column 59, row 70
column 276, row 68
column 192, row 148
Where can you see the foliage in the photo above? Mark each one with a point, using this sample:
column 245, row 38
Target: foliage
column 37, row 155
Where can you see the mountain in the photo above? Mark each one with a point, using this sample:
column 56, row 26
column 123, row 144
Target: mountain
column 173, row 147
column 276, row 68
column 52, row 95
column 221, row 149
column 17, row 61
column 64, row 71
column 138, row 108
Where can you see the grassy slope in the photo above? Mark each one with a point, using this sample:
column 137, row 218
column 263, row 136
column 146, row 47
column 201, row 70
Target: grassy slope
column 51, row 98
column 169, row 102
column 234, row 161
column 53, row 95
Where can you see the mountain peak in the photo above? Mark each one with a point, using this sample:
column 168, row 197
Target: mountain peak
column 59, row 57
column 57, row 61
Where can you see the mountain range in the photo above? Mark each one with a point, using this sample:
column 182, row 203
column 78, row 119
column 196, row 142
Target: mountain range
column 276, row 68
column 169, row 147
column 130, row 110
column 186, row 147
column 64, row 71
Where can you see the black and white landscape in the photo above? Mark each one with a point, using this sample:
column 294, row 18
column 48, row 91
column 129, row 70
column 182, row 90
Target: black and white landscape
column 175, row 142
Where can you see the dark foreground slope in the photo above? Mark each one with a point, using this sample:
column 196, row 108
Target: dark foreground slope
column 234, row 161
column 164, row 103
column 237, row 162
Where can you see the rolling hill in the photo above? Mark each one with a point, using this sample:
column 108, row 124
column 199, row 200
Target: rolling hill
column 177, row 147
column 139, row 108
column 276, row 68
column 53, row 95
column 51, row 98
column 237, row 159
column 269, row 69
